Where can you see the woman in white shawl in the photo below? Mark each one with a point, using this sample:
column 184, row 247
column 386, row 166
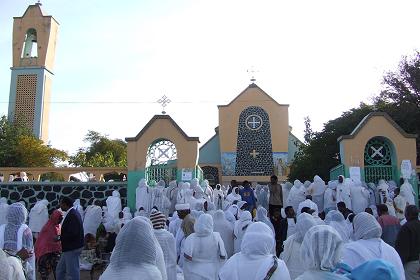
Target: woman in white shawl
column 38, row 217
column 218, row 197
column 15, row 235
column 262, row 217
column 93, row 218
column 136, row 253
column 127, row 216
column 225, row 228
column 369, row 245
column 204, row 251
column 296, row 195
column 343, row 191
column 255, row 261
column 143, row 196
column 79, row 208
column 113, row 204
column 320, row 253
column 317, row 189
column 159, row 198
column 336, row 220
column 291, row 253
column 234, row 196
column 3, row 210
column 240, row 228
column 10, row 268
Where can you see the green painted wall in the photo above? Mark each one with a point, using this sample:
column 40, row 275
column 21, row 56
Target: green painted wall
column 134, row 177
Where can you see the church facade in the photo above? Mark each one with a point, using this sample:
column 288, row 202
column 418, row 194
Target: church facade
column 252, row 142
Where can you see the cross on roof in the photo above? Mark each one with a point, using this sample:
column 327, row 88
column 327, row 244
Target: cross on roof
column 252, row 71
column 164, row 101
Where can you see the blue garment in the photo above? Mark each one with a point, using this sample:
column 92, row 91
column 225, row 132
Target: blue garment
column 68, row 267
column 247, row 195
column 374, row 270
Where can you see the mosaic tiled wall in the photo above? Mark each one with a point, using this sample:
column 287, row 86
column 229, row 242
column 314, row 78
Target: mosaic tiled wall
column 254, row 155
column 88, row 193
column 211, row 173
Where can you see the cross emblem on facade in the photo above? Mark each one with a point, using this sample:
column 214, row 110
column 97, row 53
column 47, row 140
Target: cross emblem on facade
column 253, row 122
column 163, row 153
column 377, row 152
column 163, row 101
column 254, row 153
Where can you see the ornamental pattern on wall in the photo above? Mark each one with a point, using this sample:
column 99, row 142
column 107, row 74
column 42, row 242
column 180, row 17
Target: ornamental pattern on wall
column 254, row 155
column 88, row 193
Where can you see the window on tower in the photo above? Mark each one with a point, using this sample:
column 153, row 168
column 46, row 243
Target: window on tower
column 30, row 46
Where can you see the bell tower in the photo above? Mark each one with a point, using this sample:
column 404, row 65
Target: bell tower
column 34, row 43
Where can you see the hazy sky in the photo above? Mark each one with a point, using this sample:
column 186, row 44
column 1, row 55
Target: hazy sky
column 321, row 57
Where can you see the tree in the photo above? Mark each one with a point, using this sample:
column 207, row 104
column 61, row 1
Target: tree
column 101, row 152
column 20, row 148
column 308, row 133
column 399, row 98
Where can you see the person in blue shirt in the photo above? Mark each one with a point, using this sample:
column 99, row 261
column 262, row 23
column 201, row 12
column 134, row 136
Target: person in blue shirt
column 247, row 195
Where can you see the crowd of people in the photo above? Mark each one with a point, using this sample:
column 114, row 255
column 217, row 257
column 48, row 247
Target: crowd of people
column 340, row 230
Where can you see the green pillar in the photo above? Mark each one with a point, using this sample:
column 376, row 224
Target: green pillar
column 134, row 177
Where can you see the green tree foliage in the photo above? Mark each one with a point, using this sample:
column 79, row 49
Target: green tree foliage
column 322, row 152
column 308, row 133
column 101, row 152
column 19, row 148
column 400, row 98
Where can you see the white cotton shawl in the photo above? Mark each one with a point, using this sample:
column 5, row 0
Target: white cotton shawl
column 206, row 250
column 143, row 196
column 262, row 217
column 255, row 258
column 93, row 219
column 38, row 216
column 3, row 210
column 10, row 268
column 240, row 228
column 113, row 204
column 135, row 255
column 225, row 229
column 336, row 220
column 167, row 243
column 321, row 248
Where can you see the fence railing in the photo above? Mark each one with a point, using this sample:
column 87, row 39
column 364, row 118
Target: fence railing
column 374, row 173
column 158, row 173
column 336, row 171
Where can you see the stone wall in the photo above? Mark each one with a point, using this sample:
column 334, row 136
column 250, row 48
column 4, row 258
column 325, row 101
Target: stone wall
column 88, row 193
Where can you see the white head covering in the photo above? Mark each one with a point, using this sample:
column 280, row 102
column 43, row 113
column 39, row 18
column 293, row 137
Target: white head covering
column 258, row 240
column 204, row 225
column 303, row 223
column 243, row 222
column 321, row 248
column 332, row 185
column 16, row 216
column 262, row 217
column 135, row 253
column 92, row 220
column 366, row 226
column 10, row 268
column 336, row 220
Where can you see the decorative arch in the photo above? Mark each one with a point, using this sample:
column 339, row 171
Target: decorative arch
column 161, row 161
column 211, row 174
column 30, row 45
column 254, row 148
column 379, row 159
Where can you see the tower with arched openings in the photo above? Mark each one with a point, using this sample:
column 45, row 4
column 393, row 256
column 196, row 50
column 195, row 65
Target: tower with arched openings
column 34, row 43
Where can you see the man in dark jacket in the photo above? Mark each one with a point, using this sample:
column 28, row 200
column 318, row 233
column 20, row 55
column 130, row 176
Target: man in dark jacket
column 72, row 238
column 408, row 243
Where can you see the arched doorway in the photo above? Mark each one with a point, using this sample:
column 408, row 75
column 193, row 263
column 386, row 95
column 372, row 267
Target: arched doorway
column 161, row 161
column 379, row 160
column 211, row 174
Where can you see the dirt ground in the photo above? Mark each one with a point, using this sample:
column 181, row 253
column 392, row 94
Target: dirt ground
column 84, row 275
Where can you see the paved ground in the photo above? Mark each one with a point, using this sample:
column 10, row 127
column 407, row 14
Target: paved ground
column 84, row 275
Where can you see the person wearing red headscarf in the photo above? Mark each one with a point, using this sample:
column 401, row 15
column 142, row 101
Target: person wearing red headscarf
column 48, row 245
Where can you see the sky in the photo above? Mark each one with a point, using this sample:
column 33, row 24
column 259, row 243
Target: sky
column 115, row 59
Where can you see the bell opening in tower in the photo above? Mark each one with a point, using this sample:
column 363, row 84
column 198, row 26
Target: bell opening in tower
column 30, row 46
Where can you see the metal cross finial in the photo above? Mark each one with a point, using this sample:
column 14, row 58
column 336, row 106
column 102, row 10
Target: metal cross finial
column 163, row 101
column 252, row 71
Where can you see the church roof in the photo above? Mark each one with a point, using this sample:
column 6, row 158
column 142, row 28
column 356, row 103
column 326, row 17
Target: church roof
column 253, row 85
column 162, row 117
column 364, row 121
